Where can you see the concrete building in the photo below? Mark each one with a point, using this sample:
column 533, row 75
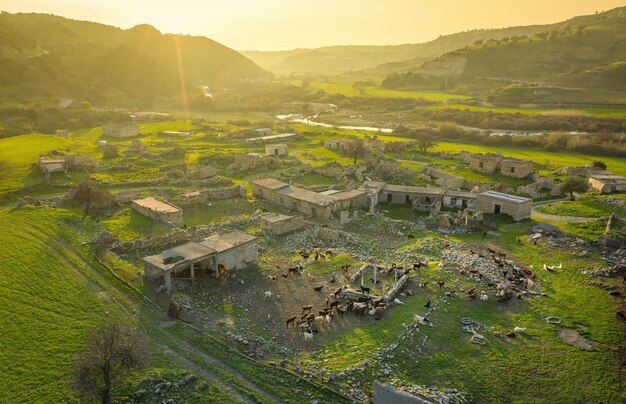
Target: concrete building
column 120, row 130
column 277, row 224
column 606, row 182
column 159, row 210
column 262, row 131
column 279, row 149
column 516, row 168
column 519, row 208
column 426, row 197
column 346, row 146
column 226, row 252
column 309, row 203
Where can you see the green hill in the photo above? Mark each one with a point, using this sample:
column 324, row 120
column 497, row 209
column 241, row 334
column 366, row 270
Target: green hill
column 550, row 57
column 395, row 58
column 92, row 61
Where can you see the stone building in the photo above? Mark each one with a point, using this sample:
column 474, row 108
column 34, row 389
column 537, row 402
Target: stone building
column 229, row 251
column 64, row 133
column 120, row 130
column 519, row 208
column 484, row 163
column 309, row 203
column 516, row 168
column 50, row 165
column 606, row 182
column 426, row 197
column 277, row 224
column 276, row 149
column 159, row 210
column 273, row 138
column 492, row 163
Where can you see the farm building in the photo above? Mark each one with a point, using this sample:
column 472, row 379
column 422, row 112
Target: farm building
column 49, row 165
column 120, row 130
column 516, row 168
column 159, row 210
column 484, row 163
column 491, row 163
column 271, row 138
column 606, row 182
column 341, row 145
column 276, row 149
column 310, row 203
column 262, row 131
column 277, row 224
column 426, row 197
column 519, row 208
column 229, row 251
column 64, row 133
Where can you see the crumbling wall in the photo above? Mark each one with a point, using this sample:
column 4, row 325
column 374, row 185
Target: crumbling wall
column 386, row 394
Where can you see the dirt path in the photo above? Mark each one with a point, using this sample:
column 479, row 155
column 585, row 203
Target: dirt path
column 184, row 348
column 567, row 219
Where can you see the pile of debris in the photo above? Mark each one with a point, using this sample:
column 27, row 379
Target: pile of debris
column 398, row 391
column 493, row 269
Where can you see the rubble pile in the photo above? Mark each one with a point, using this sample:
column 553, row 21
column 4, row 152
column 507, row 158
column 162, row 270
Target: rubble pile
column 431, row 394
column 492, row 269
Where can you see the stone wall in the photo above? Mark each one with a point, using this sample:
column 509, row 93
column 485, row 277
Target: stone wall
column 386, row 394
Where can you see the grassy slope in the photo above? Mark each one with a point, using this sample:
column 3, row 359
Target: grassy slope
column 48, row 300
column 587, row 206
column 608, row 112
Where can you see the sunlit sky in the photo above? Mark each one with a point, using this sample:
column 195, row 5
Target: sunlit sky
column 288, row 24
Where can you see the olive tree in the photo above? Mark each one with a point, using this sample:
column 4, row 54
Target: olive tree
column 573, row 184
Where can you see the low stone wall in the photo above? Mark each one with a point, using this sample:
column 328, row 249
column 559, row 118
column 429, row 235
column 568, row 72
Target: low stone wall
column 386, row 393
column 236, row 191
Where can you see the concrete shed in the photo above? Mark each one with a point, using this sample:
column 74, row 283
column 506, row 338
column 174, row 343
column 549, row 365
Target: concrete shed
column 276, row 149
column 159, row 210
column 519, row 208
column 277, row 224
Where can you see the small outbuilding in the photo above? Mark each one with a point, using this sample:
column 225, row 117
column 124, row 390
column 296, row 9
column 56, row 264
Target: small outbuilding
column 50, row 165
column 519, row 208
column 159, row 210
column 276, row 149
column 606, row 182
column 277, row 224
column 121, row 130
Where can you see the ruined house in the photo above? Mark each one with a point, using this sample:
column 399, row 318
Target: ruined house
column 606, row 182
column 313, row 204
column 229, row 251
column 491, row 163
column 50, row 165
column 484, row 163
column 516, row 168
column 64, row 133
column 426, row 197
column 159, row 210
column 277, row 224
column 262, row 131
column 276, row 149
column 202, row 172
column 120, row 130
column 250, row 161
column 519, row 208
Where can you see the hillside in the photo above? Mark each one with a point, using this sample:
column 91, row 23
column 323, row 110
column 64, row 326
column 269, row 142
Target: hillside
column 552, row 56
column 394, row 58
column 92, row 61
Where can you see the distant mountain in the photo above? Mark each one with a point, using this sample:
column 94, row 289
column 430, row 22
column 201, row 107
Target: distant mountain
column 46, row 54
column 393, row 58
column 566, row 55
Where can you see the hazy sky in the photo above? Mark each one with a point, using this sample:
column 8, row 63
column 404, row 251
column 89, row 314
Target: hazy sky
column 287, row 24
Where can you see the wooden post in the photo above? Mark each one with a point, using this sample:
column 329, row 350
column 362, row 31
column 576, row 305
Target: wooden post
column 192, row 274
column 362, row 272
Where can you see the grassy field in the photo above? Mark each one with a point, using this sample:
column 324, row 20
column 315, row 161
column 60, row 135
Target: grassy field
column 606, row 112
column 346, row 89
column 589, row 205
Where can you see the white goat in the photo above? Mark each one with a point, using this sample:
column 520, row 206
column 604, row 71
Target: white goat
column 396, row 301
column 421, row 320
column 519, row 329
column 483, row 296
column 267, row 294
column 308, row 336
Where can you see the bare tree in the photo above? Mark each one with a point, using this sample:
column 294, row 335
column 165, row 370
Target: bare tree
column 111, row 350
column 424, row 142
column 360, row 87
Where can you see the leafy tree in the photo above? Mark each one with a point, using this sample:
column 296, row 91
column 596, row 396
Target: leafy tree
column 110, row 151
column 573, row 184
column 425, row 141
column 88, row 194
column 111, row 350
column 360, row 87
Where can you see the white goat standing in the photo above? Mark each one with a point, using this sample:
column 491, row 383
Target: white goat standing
column 267, row 294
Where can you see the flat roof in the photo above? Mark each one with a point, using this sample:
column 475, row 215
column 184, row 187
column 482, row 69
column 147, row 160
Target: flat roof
column 156, row 205
column 226, row 241
column 51, row 161
column 275, row 217
column 270, row 183
column 272, row 137
column 306, row 195
column 276, row 145
column 506, row 197
column 347, row 194
column 412, row 190
column 189, row 252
